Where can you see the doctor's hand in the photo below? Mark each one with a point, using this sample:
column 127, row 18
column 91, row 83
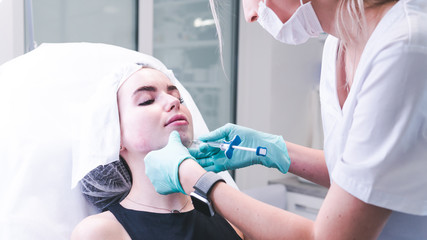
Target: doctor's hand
column 212, row 159
column 161, row 166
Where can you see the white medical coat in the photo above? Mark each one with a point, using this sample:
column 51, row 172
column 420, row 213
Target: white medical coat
column 376, row 144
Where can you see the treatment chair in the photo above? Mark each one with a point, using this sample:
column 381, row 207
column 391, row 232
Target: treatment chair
column 42, row 94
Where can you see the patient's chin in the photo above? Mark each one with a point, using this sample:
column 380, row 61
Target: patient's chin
column 186, row 139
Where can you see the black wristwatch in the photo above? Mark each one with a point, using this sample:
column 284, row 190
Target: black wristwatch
column 201, row 190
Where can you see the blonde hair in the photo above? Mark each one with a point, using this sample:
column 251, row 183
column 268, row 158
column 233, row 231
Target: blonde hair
column 219, row 33
column 351, row 21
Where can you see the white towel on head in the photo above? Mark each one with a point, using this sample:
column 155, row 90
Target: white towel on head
column 98, row 140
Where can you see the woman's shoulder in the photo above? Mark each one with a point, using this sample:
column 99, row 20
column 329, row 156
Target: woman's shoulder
column 99, row 226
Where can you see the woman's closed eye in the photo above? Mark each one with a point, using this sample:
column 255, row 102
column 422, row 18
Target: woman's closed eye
column 150, row 101
column 146, row 102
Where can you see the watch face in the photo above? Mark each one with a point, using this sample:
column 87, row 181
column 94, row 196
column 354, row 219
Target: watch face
column 202, row 204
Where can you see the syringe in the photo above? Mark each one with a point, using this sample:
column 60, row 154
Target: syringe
column 225, row 146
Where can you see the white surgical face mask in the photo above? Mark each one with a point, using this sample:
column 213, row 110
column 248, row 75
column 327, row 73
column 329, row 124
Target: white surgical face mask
column 302, row 25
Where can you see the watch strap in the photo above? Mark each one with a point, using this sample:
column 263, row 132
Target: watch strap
column 205, row 183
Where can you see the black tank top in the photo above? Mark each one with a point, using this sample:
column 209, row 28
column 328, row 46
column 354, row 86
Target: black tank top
column 187, row 225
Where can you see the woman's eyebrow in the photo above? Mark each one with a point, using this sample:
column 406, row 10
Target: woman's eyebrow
column 145, row 88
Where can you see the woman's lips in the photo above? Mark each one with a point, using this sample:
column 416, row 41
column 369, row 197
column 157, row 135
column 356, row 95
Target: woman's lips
column 177, row 120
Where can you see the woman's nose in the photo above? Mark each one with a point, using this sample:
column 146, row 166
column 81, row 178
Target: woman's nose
column 251, row 17
column 172, row 103
column 250, row 10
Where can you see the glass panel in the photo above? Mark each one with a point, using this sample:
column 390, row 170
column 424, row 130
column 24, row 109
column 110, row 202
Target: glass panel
column 102, row 21
column 185, row 39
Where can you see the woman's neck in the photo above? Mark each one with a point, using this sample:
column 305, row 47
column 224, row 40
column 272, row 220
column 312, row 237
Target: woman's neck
column 144, row 197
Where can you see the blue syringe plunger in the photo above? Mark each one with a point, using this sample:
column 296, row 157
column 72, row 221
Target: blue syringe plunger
column 232, row 144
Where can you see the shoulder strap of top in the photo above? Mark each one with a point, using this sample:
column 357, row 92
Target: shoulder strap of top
column 119, row 212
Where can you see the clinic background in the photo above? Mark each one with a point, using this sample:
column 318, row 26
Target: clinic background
column 273, row 88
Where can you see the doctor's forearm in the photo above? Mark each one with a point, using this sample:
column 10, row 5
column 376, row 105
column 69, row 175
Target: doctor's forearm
column 245, row 212
column 256, row 219
column 308, row 163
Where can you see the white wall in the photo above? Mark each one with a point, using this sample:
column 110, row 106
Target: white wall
column 11, row 29
column 275, row 86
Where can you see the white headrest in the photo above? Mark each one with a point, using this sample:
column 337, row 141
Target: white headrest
column 42, row 96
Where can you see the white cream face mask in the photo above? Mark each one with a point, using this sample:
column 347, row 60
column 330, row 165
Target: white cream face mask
column 301, row 26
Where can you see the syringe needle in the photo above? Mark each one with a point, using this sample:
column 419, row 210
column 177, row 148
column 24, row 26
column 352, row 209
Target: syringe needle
column 222, row 146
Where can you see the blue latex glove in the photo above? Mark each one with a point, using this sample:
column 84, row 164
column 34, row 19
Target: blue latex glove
column 212, row 159
column 161, row 166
